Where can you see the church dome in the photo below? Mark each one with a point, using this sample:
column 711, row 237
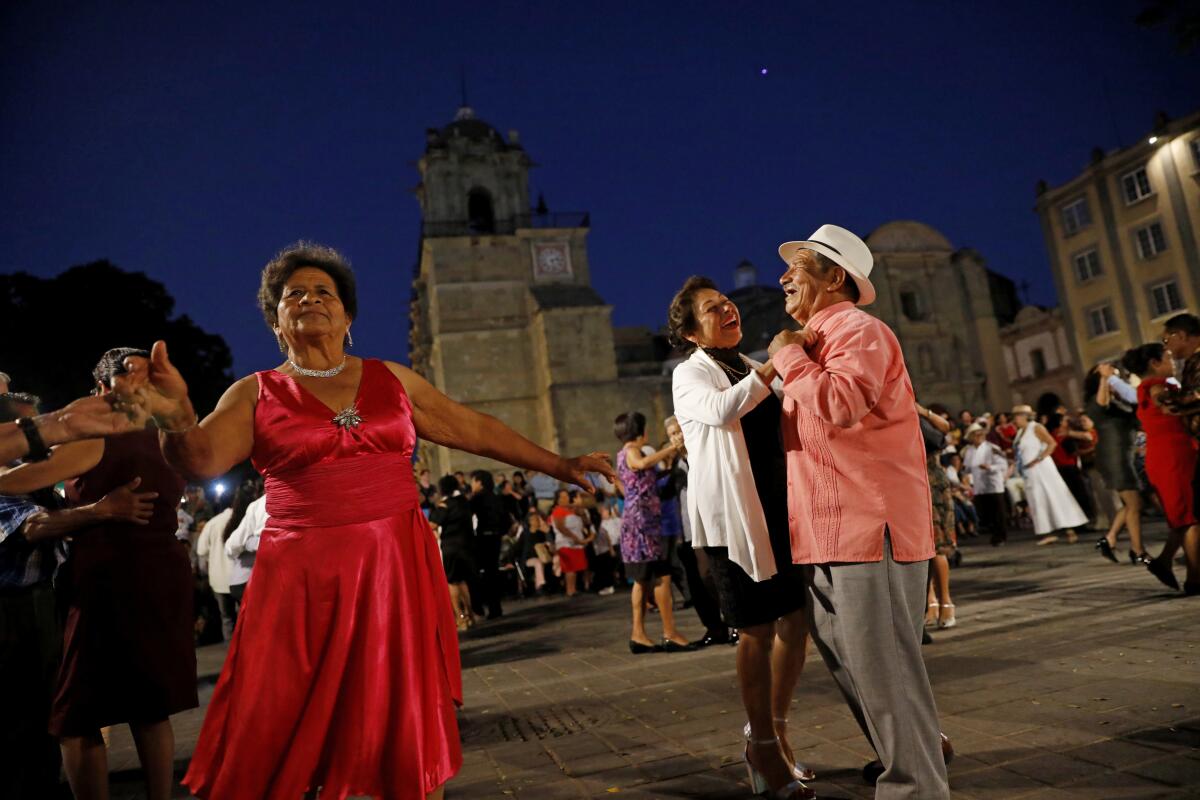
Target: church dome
column 467, row 126
column 907, row 236
column 1029, row 314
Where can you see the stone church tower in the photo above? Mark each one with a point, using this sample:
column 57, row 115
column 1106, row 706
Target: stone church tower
column 504, row 316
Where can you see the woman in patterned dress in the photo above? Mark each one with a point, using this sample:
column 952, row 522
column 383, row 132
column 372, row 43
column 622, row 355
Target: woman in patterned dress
column 641, row 543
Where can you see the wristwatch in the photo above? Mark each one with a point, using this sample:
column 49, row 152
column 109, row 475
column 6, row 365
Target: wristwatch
column 37, row 446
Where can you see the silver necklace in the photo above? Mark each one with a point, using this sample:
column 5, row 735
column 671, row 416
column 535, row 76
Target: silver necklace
column 319, row 373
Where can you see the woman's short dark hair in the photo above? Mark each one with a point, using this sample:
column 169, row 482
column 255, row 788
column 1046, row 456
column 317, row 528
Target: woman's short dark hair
column 447, row 485
column 1091, row 382
column 113, row 363
column 1138, row 359
column 297, row 256
column 681, row 316
column 485, row 478
column 629, row 426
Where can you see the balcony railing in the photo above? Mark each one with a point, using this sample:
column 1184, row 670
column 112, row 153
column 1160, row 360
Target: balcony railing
column 507, row 227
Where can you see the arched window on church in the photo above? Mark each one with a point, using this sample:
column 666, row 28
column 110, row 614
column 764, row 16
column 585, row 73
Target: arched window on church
column 481, row 218
column 912, row 303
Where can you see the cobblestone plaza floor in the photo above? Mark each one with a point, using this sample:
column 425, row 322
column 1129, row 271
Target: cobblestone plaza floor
column 1067, row 677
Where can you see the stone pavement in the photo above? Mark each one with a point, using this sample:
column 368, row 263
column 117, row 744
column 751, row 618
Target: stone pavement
column 1067, row 677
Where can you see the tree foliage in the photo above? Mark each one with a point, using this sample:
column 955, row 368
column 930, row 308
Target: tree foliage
column 54, row 330
column 1181, row 16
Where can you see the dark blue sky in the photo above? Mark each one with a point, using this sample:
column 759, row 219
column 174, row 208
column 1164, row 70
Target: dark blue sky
column 192, row 141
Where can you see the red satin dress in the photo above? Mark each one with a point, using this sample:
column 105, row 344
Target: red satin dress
column 1170, row 457
column 344, row 671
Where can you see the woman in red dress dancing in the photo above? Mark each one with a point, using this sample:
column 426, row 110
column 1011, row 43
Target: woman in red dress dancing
column 1170, row 459
column 343, row 673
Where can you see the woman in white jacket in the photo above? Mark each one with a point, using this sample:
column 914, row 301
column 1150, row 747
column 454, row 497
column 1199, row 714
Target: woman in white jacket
column 737, row 508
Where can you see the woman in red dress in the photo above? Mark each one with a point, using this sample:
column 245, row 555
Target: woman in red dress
column 343, row 673
column 1170, row 456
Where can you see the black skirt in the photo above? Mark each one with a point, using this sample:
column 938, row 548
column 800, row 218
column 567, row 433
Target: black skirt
column 745, row 601
column 458, row 563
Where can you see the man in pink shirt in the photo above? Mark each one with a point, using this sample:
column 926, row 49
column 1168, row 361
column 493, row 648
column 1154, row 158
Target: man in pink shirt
column 859, row 504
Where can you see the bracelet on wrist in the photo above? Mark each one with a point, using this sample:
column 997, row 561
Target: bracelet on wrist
column 38, row 451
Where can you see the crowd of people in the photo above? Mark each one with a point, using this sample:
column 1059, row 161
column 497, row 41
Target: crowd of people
column 808, row 496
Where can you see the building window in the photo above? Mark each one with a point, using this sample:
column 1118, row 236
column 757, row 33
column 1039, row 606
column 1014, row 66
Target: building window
column 1135, row 185
column 912, row 303
column 1037, row 358
column 1076, row 216
column 480, row 216
column 1150, row 240
column 1165, row 298
column 1087, row 265
column 1101, row 320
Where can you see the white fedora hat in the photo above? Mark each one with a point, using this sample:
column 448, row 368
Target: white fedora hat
column 843, row 248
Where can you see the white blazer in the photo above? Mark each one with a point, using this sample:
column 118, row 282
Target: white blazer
column 722, row 502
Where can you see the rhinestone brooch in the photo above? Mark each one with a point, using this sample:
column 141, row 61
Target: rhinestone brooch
column 348, row 418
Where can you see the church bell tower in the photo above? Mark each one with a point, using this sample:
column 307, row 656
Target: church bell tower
column 504, row 318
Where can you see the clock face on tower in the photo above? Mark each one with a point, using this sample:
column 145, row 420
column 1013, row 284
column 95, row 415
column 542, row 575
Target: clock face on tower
column 551, row 260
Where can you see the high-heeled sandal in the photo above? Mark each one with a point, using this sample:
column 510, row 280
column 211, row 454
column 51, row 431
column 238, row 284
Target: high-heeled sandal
column 799, row 771
column 1105, row 549
column 947, row 623
column 931, row 621
column 794, row 790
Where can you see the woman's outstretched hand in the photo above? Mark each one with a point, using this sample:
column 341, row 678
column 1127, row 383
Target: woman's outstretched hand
column 575, row 470
column 161, row 392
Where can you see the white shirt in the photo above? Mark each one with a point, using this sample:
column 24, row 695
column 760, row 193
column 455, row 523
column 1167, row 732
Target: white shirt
column 988, row 468
column 209, row 546
column 575, row 525
column 611, row 528
column 242, row 544
column 723, row 508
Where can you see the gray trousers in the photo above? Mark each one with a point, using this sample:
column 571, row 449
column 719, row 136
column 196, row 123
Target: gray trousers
column 866, row 621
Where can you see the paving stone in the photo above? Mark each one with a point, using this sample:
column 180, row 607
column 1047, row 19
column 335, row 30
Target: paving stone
column 1067, row 678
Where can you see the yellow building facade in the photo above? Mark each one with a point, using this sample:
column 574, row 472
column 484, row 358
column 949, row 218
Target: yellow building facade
column 1122, row 238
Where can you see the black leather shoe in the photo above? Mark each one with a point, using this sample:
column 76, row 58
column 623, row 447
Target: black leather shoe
column 1163, row 572
column 1191, row 589
column 1106, row 550
column 713, row 637
column 638, row 649
column 733, row 636
column 669, row 646
column 1139, row 558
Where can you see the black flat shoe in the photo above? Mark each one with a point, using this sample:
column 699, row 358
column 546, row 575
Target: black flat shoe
column 715, row 637
column 1106, row 550
column 669, row 646
column 638, row 649
column 1163, row 572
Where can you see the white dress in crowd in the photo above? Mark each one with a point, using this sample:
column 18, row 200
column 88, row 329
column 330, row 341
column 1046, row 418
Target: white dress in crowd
column 1051, row 504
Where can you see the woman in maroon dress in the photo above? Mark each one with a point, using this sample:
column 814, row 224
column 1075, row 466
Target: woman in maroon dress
column 126, row 589
column 1170, row 458
column 343, row 673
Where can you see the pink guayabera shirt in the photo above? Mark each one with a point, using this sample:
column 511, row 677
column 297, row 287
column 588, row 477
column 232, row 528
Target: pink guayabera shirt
column 855, row 455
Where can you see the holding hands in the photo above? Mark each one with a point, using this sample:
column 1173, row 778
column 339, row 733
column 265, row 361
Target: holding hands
column 155, row 389
column 804, row 338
